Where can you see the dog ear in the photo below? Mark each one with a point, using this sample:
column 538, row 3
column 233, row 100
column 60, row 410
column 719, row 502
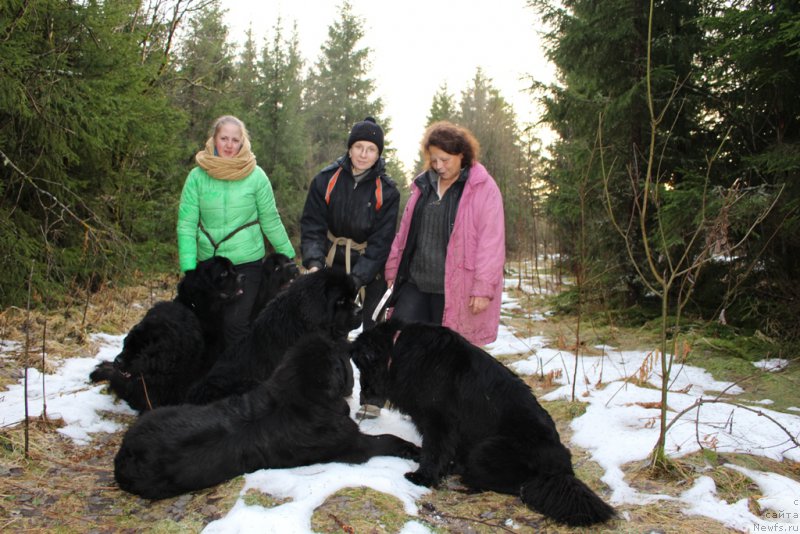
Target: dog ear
column 345, row 370
column 368, row 353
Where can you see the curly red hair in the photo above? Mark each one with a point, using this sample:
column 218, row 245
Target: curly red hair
column 451, row 138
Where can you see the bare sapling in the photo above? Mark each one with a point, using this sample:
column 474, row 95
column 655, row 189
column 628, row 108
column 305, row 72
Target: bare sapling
column 671, row 267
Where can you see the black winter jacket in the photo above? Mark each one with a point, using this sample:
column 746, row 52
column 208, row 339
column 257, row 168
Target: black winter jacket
column 351, row 213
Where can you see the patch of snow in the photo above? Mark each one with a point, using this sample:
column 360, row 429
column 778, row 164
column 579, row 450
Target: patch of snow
column 772, row 365
column 702, row 500
column 779, row 494
column 68, row 395
column 508, row 343
column 619, row 426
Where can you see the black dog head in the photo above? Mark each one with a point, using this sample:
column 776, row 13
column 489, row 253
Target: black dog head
column 318, row 367
column 341, row 293
column 278, row 271
column 214, row 281
column 372, row 354
column 323, row 301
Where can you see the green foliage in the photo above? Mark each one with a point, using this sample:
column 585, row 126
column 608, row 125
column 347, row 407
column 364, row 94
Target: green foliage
column 443, row 107
column 751, row 59
column 203, row 78
column 280, row 136
column 86, row 137
column 339, row 93
column 719, row 73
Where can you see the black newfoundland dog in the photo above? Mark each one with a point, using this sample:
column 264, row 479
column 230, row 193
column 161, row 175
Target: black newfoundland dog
column 277, row 272
column 176, row 341
column 320, row 302
column 477, row 419
column 298, row 417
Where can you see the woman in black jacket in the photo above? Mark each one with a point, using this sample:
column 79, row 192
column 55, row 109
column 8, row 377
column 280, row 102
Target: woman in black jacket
column 350, row 215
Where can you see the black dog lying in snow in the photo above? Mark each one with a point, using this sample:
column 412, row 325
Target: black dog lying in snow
column 321, row 302
column 176, row 342
column 298, row 417
column 477, row 419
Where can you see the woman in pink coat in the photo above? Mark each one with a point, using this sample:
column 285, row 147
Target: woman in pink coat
column 446, row 261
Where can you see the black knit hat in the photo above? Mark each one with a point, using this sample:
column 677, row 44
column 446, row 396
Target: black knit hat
column 366, row 130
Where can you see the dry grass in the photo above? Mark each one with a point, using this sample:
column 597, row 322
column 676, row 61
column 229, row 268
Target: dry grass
column 44, row 337
column 60, row 487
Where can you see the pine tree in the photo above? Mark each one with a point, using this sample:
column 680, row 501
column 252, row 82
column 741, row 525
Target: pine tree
column 443, row 107
column 279, row 131
column 246, row 82
column 87, row 139
column 205, row 76
column 599, row 49
column 493, row 122
column 752, row 62
column 339, row 94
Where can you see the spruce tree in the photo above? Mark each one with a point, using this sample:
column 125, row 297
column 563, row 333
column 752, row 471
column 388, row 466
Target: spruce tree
column 87, row 140
column 281, row 137
column 204, row 78
column 339, row 92
column 493, row 122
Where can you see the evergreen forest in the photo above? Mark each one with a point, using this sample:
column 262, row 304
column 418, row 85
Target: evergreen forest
column 673, row 185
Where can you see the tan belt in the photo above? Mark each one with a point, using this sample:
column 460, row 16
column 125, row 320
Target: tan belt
column 348, row 245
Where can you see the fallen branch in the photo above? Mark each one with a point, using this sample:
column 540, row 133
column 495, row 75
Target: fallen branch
column 699, row 402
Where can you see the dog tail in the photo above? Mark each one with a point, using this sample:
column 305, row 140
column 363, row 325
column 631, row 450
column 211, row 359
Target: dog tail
column 103, row 371
column 566, row 499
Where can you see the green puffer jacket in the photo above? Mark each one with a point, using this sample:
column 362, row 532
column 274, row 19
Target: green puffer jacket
column 223, row 206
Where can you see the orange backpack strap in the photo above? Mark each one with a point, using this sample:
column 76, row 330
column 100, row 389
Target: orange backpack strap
column 331, row 185
column 378, row 193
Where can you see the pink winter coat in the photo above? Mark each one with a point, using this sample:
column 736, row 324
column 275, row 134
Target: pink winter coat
column 475, row 256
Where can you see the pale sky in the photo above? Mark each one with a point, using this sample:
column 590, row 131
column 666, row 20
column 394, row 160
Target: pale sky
column 417, row 45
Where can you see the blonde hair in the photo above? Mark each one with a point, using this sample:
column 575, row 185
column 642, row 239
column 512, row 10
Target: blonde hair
column 228, row 119
column 234, row 168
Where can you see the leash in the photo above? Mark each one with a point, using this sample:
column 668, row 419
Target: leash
column 230, row 235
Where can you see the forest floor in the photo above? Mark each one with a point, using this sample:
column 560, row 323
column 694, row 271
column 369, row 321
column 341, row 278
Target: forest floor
column 50, row 484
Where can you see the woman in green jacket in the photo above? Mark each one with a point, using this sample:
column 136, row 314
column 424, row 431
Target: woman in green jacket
column 226, row 208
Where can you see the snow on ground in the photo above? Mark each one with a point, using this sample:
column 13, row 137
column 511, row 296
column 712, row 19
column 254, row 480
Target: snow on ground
column 618, row 427
column 8, row 347
column 67, row 395
column 508, row 343
column 536, row 279
column 620, row 424
column 773, row 364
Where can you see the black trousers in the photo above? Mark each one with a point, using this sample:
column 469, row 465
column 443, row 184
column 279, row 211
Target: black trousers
column 373, row 292
column 237, row 312
column 413, row 305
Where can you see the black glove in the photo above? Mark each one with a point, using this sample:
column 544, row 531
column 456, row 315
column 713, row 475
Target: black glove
column 356, row 281
column 292, row 269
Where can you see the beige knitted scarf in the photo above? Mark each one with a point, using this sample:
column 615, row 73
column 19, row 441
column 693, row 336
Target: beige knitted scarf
column 234, row 168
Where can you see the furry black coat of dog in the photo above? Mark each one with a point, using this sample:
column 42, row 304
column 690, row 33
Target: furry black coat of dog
column 477, row 419
column 277, row 272
column 176, row 341
column 298, row 417
column 320, row 302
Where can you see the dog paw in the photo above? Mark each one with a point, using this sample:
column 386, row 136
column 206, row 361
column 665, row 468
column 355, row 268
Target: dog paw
column 411, row 452
column 420, row 479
